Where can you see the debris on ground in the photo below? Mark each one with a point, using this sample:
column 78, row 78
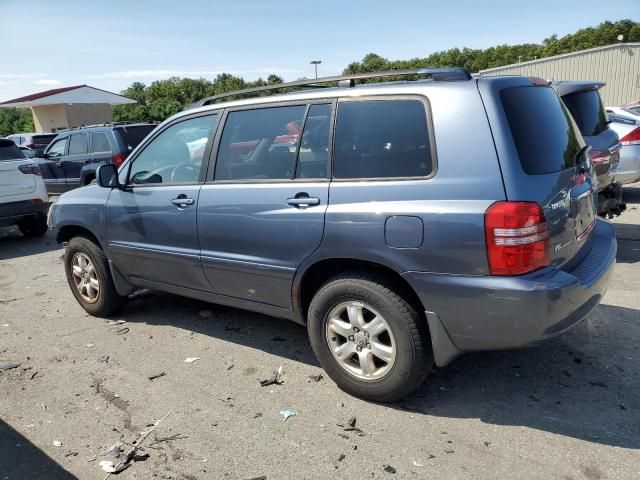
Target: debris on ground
column 285, row 414
column 9, row 366
column 104, row 359
column 90, row 345
column 228, row 365
column 122, row 331
column 33, row 375
column 257, row 415
column 132, row 454
column 389, row 469
column 205, row 313
column 417, row 464
column 344, row 435
column 261, row 477
column 342, row 457
column 350, row 426
column 57, row 443
column 315, row 378
column 114, row 322
column 157, row 375
column 275, row 379
column 71, row 454
column 191, row 359
column 113, row 448
column 170, row 438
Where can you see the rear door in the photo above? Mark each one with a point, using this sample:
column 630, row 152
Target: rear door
column 262, row 214
column 544, row 159
column 12, row 181
column 77, row 157
column 51, row 165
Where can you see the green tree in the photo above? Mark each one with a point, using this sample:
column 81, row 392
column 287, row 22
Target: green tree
column 15, row 120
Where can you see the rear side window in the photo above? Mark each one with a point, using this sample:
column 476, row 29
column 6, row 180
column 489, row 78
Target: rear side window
column 9, row 151
column 78, row 144
column 41, row 141
column 133, row 136
column 542, row 129
column 260, row 144
column 382, row 139
column 100, row 143
column 587, row 110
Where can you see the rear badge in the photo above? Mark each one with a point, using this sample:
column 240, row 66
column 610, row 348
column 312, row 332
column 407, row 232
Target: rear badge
column 559, row 246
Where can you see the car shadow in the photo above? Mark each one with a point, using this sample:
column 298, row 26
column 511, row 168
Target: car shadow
column 571, row 385
column 631, row 195
column 20, row 458
column 628, row 235
column 14, row 245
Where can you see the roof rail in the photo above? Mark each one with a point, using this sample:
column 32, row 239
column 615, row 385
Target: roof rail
column 453, row 74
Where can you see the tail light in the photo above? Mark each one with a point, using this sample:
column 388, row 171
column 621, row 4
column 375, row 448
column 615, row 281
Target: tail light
column 631, row 138
column 31, row 169
column 517, row 238
column 118, row 159
column 599, row 157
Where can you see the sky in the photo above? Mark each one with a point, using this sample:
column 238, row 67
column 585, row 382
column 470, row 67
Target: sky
column 110, row 44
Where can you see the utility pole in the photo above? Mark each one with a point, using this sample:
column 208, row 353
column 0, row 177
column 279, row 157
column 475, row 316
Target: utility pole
column 315, row 63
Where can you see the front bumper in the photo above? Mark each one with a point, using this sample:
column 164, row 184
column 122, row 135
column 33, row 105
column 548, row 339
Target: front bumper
column 12, row 212
column 490, row 312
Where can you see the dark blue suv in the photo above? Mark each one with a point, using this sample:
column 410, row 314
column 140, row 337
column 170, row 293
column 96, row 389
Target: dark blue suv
column 71, row 159
column 403, row 223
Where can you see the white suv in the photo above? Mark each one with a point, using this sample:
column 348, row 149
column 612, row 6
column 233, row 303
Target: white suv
column 23, row 196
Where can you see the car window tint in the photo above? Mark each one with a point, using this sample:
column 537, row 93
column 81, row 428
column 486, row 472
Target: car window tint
column 78, row 144
column 313, row 156
column 260, row 144
column 9, row 150
column 381, row 139
column 57, row 148
column 587, row 110
column 175, row 155
column 100, row 143
column 543, row 131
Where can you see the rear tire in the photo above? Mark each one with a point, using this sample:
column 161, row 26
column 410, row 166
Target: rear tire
column 35, row 226
column 89, row 278
column 383, row 359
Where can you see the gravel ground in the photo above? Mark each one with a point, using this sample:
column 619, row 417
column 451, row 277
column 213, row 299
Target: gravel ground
column 566, row 409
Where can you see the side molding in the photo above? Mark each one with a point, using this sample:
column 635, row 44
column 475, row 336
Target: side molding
column 444, row 351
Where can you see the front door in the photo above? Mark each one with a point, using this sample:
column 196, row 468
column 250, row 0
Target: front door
column 77, row 156
column 263, row 214
column 151, row 222
column 51, row 166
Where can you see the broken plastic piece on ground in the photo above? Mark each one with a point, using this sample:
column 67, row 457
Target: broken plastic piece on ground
column 57, row 443
column 115, row 447
column 191, row 359
column 9, row 366
column 157, row 375
column 389, row 469
column 122, row 331
column 275, row 379
column 417, row 464
column 285, row 414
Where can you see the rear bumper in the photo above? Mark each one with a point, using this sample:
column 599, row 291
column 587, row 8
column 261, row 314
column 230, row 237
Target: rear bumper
column 488, row 312
column 12, row 212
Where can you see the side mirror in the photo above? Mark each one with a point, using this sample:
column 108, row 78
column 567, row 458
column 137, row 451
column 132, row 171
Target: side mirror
column 107, row 176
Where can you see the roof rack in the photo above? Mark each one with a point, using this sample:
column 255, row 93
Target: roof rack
column 453, row 74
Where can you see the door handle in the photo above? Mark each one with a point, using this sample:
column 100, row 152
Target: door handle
column 58, row 164
column 303, row 201
column 181, row 201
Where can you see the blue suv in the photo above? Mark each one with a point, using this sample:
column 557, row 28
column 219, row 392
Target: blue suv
column 403, row 223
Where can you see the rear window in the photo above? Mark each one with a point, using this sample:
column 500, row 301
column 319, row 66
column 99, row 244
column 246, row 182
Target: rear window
column 588, row 112
column 132, row 136
column 9, row 151
column 42, row 141
column 382, row 139
column 543, row 132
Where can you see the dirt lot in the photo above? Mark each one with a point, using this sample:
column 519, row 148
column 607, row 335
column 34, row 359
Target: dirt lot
column 566, row 409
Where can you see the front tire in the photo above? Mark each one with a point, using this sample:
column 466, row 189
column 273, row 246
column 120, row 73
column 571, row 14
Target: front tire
column 32, row 227
column 368, row 337
column 89, row 278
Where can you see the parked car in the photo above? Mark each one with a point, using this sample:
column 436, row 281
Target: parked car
column 582, row 99
column 71, row 160
column 27, row 152
column 626, row 123
column 23, row 197
column 34, row 141
column 396, row 250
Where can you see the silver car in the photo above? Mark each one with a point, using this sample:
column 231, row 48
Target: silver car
column 626, row 123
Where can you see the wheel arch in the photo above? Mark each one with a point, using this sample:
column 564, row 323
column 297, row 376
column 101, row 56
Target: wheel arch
column 67, row 232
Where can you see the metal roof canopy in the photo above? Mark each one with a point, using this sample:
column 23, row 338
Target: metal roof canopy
column 78, row 94
column 452, row 74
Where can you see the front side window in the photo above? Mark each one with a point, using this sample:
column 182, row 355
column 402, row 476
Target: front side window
column 260, row 144
column 101, row 143
column 78, row 144
column 174, row 156
column 381, row 139
column 57, row 148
